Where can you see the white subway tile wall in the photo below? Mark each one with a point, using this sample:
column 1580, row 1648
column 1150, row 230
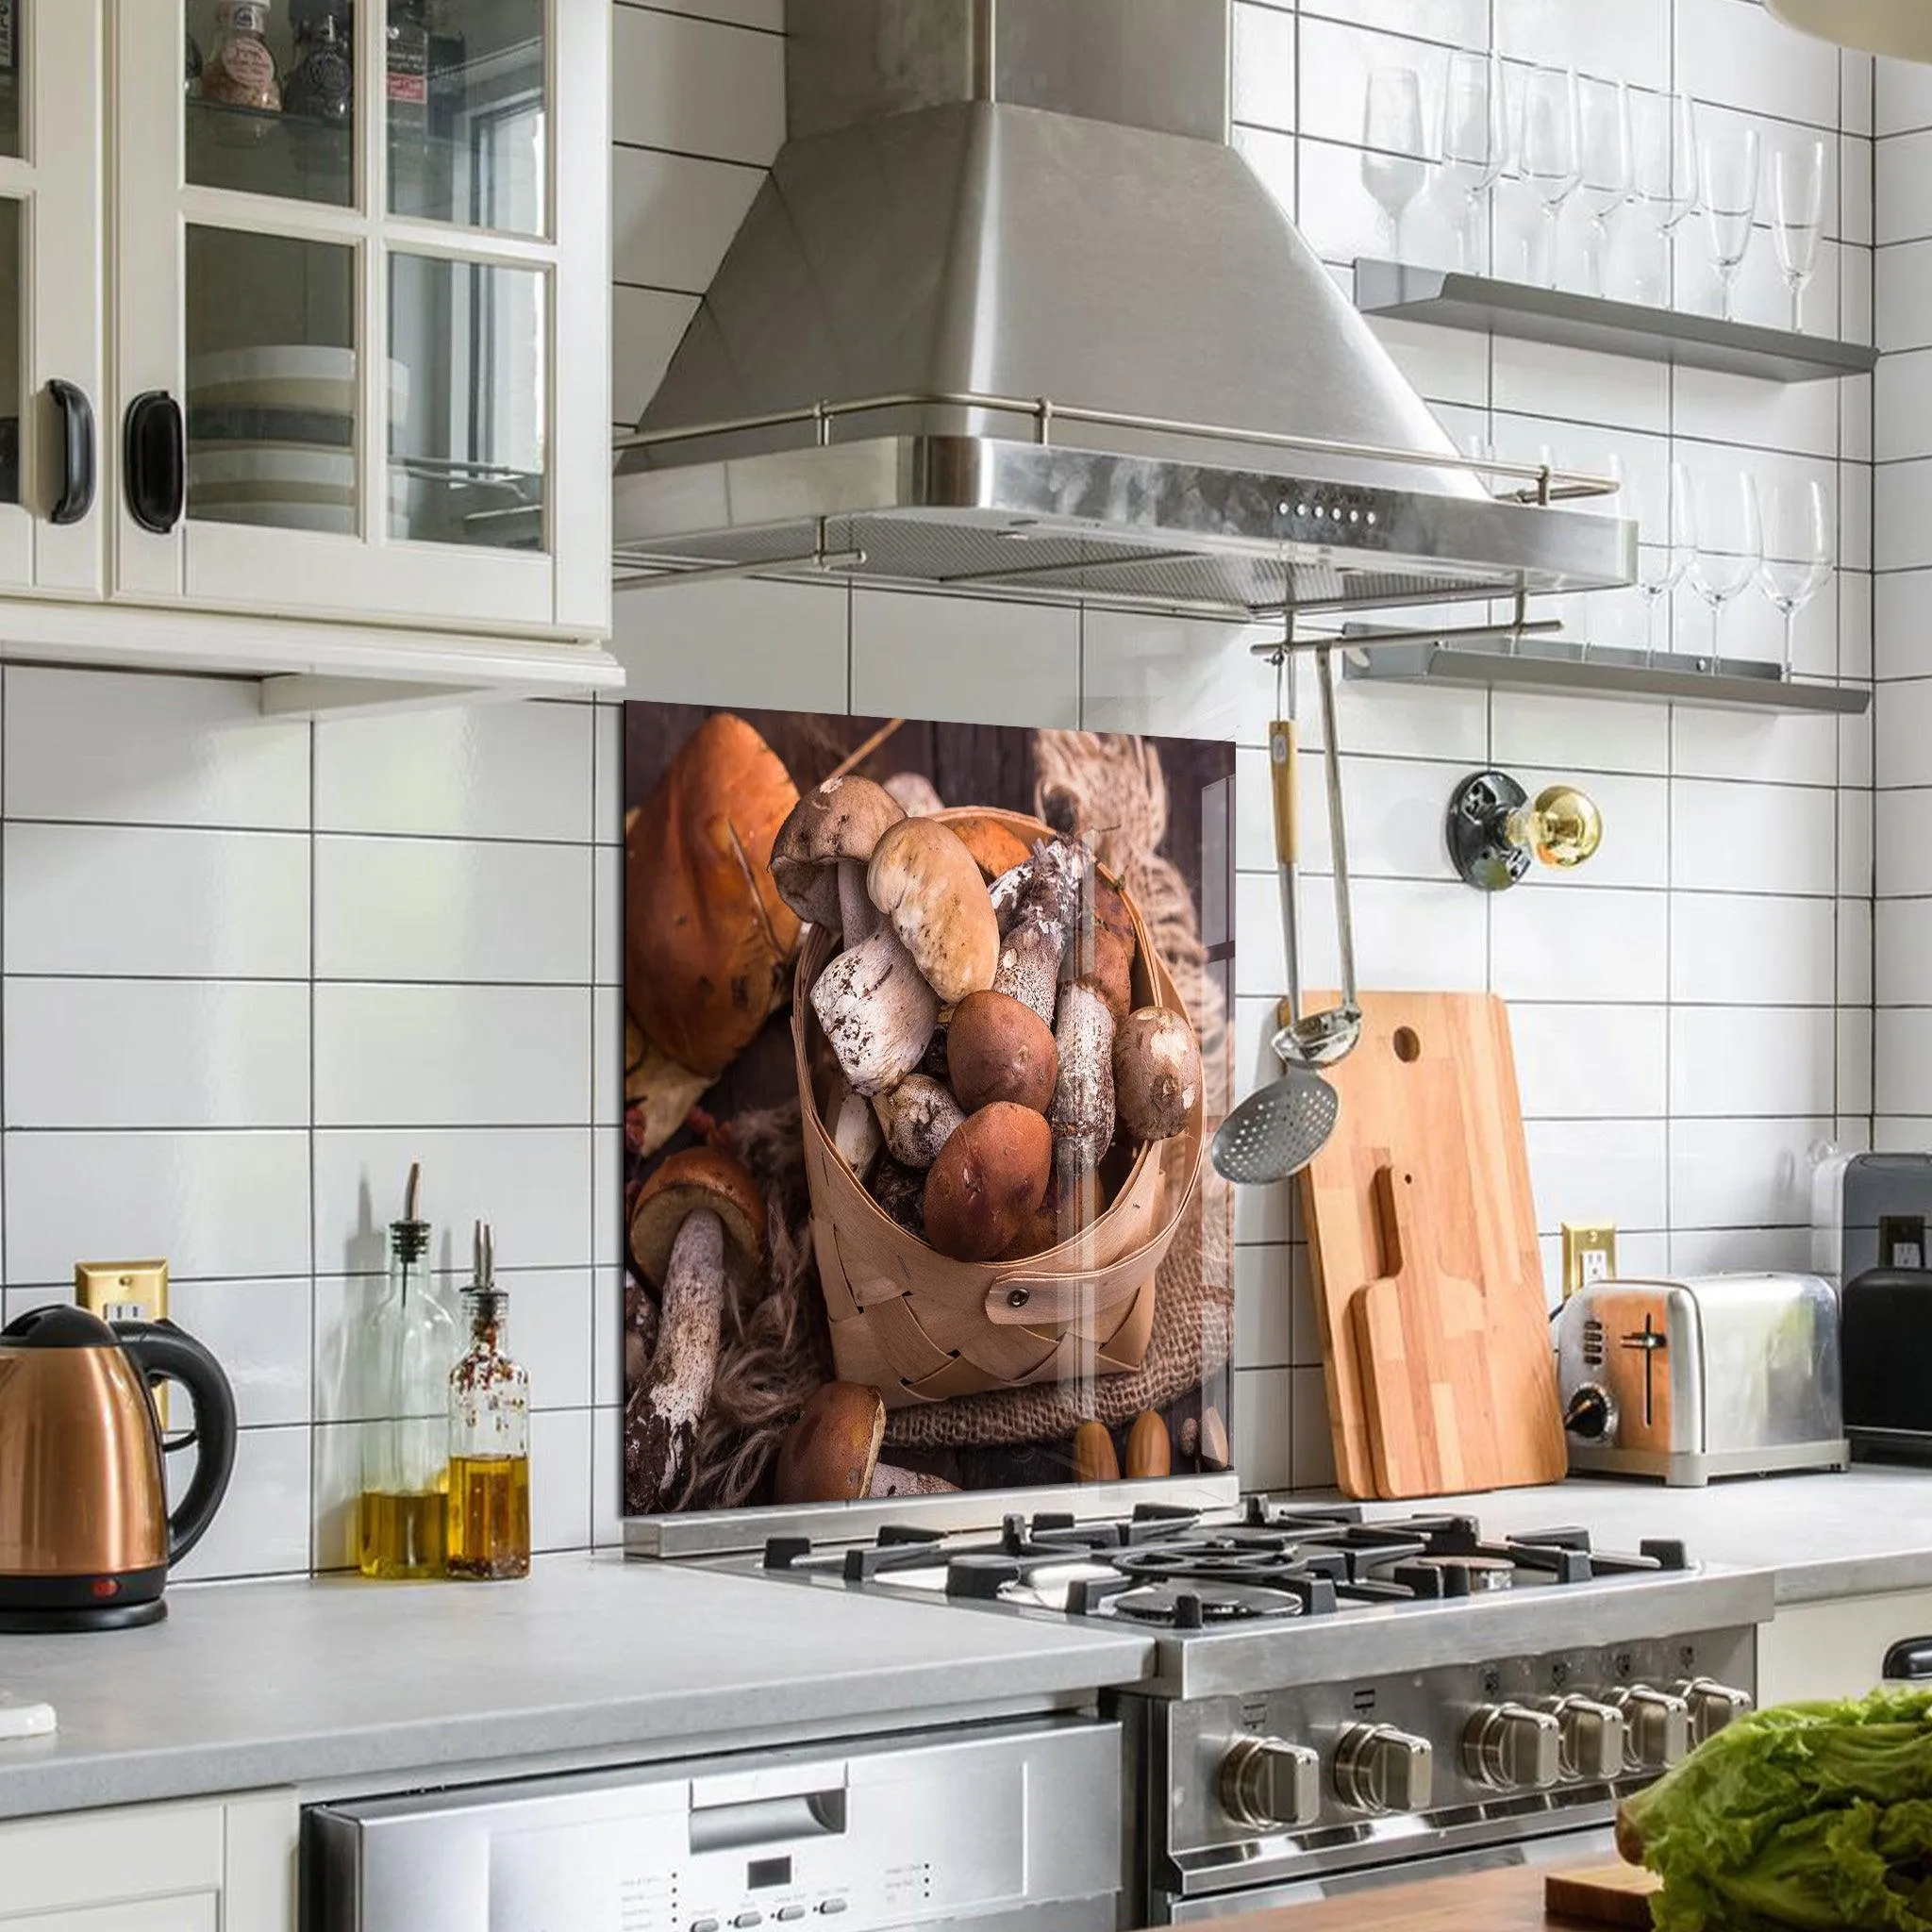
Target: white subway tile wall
column 253, row 969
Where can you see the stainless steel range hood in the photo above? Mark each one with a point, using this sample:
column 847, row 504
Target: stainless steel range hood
column 1010, row 315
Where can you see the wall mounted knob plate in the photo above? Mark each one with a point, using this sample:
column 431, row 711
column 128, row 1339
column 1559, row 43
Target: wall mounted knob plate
column 1494, row 831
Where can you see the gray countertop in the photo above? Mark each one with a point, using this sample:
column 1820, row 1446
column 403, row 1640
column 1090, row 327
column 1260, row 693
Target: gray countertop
column 247, row 1686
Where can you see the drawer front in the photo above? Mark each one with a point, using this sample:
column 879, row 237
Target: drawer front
column 1836, row 1649
column 101, row 1858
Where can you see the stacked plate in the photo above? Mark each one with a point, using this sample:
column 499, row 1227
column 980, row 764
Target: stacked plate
column 271, row 437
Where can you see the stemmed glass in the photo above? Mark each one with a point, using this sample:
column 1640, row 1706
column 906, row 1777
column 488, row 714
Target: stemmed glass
column 1730, row 203
column 1661, row 566
column 1797, row 203
column 1664, row 164
column 1604, row 126
column 1474, row 142
column 1552, row 150
column 1730, row 546
column 1797, row 551
column 1392, row 169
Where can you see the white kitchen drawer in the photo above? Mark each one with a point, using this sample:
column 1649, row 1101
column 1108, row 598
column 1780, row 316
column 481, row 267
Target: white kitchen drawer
column 200, row 1913
column 1836, row 1649
column 101, row 1858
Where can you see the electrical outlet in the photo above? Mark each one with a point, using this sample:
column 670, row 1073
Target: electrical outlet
column 1589, row 1253
column 125, row 1292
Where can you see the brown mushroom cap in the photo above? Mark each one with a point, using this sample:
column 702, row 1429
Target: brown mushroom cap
column 916, row 793
column 1157, row 1073
column 842, row 819
column 698, row 1177
column 998, row 1048
column 995, row 848
column 924, row 881
column 829, row 1453
column 990, row 1177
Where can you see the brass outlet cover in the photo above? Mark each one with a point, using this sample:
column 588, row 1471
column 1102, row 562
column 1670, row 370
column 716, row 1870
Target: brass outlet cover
column 126, row 1291
column 1589, row 1253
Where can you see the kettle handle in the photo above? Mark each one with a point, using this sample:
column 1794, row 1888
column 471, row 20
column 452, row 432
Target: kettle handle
column 164, row 1353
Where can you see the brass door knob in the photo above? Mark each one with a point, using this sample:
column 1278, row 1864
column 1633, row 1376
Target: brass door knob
column 1562, row 828
column 1494, row 831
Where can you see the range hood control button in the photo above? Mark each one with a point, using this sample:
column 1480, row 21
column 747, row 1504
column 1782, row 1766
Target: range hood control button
column 1656, row 1727
column 1712, row 1706
column 1592, row 1738
column 1268, row 1785
column 1511, row 1748
column 1378, row 1768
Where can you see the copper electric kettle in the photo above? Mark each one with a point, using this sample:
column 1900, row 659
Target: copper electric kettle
column 86, row 1536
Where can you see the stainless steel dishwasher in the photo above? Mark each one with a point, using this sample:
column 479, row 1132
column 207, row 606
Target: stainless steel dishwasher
column 1004, row 1827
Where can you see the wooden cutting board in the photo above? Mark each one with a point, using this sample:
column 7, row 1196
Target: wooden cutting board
column 1420, row 1336
column 1434, row 1077
column 1606, row 1895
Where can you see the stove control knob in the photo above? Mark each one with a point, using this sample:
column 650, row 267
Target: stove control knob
column 1271, row 1786
column 1592, row 1738
column 1378, row 1768
column 1657, row 1727
column 1511, row 1748
column 1712, row 1706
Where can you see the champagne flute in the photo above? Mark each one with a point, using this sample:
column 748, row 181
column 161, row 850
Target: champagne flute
column 1664, row 160
column 1660, row 567
column 1797, row 551
column 1475, row 140
column 1730, row 546
column 1603, row 133
column 1392, row 169
column 1797, row 201
column 1552, row 156
column 1730, row 169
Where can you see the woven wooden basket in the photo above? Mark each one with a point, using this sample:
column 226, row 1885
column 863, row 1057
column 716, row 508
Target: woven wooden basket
column 921, row 1328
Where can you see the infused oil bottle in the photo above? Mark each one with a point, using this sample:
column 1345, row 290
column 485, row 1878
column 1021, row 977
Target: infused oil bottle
column 489, row 1438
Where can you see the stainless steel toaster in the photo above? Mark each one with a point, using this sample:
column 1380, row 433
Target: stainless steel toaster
column 1714, row 1376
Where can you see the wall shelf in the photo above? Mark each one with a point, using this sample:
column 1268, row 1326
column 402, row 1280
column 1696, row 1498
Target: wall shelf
column 1561, row 668
column 1453, row 300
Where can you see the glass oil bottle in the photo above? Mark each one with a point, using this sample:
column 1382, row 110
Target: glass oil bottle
column 401, row 1515
column 489, row 1438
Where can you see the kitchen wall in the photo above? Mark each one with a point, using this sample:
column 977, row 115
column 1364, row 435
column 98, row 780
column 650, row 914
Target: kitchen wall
column 253, row 969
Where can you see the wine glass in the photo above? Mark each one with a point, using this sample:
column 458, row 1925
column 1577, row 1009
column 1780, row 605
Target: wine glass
column 1730, row 546
column 1660, row 566
column 1551, row 154
column 1797, row 202
column 1474, row 142
column 1797, row 551
column 1663, row 162
column 1603, row 139
column 1392, row 169
column 1730, row 203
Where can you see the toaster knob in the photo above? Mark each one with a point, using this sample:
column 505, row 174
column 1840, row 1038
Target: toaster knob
column 1591, row 1414
column 1511, row 1748
column 1267, row 1784
column 1657, row 1727
column 1591, row 1737
column 1378, row 1768
column 1712, row 1706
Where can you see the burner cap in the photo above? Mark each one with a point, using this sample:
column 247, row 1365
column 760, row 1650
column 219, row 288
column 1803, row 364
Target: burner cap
column 1207, row 1602
column 1471, row 1576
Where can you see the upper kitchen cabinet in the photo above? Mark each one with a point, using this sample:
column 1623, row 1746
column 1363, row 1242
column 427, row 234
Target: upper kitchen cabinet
column 360, row 283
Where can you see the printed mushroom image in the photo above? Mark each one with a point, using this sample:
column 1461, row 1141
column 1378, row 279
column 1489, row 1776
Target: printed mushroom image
column 915, row 795
column 1043, row 914
column 708, row 939
column 831, row 1452
column 1094, row 1460
column 988, row 1180
column 696, row 1232
column 1157, row 1073
column 995, row 848
column 924, row 881
column 878, row 1012
column 917, row 1117
column 855, row 1130
column 1083, row 1102
column 998, row 1048
column 821, row 853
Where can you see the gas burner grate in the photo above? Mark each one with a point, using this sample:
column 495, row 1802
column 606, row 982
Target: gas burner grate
column 1197, row 1605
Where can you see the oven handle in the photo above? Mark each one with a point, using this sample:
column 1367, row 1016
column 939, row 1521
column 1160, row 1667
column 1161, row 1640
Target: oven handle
column 760, row 1807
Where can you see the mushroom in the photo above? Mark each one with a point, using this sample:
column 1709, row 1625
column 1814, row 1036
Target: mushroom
column 877, row 1010
column 996, row 849
column 1215, row 1452
column 1149, row 1452
column 1103, row 946
column 919, row 1117
column 914, row 793
column 1045, row 910
column 1157, row 1073
column 698, row 1225
column 1040, row 1230
column 901, row 1191
column 831, row 1452
column 1083, row 1102
column 822, row 849
column 999, row 1049
column 926, row 883
column 988, row 1177
column 1094, row 1458
column 855, row 1131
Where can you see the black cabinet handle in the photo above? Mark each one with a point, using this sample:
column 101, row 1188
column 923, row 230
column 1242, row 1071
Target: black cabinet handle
column 156, row 461
column 1909, row 1660
column 77, row 484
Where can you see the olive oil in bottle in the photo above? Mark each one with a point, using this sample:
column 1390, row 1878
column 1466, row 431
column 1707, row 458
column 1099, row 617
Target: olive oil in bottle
column 489, row 1438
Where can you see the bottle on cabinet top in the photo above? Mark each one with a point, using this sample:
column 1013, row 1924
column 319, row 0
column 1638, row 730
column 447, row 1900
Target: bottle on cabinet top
column 489, row 1438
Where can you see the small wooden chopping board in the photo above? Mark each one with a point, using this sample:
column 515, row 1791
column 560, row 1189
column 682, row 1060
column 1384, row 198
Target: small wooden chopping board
column 1605, row 1895
column 1420, row 1340
column 1434, row 1077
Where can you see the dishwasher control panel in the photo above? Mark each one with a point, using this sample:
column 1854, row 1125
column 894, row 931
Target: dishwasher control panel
column 1018, row 1821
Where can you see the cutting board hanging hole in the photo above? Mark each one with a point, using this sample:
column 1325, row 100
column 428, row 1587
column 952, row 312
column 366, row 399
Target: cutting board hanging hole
column 1408, row 1045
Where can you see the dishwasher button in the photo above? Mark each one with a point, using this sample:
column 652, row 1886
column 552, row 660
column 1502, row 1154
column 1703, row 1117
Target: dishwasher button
column 749, row 1918
column 785, row 1914
column 703, row 1925
column 832, row 1905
